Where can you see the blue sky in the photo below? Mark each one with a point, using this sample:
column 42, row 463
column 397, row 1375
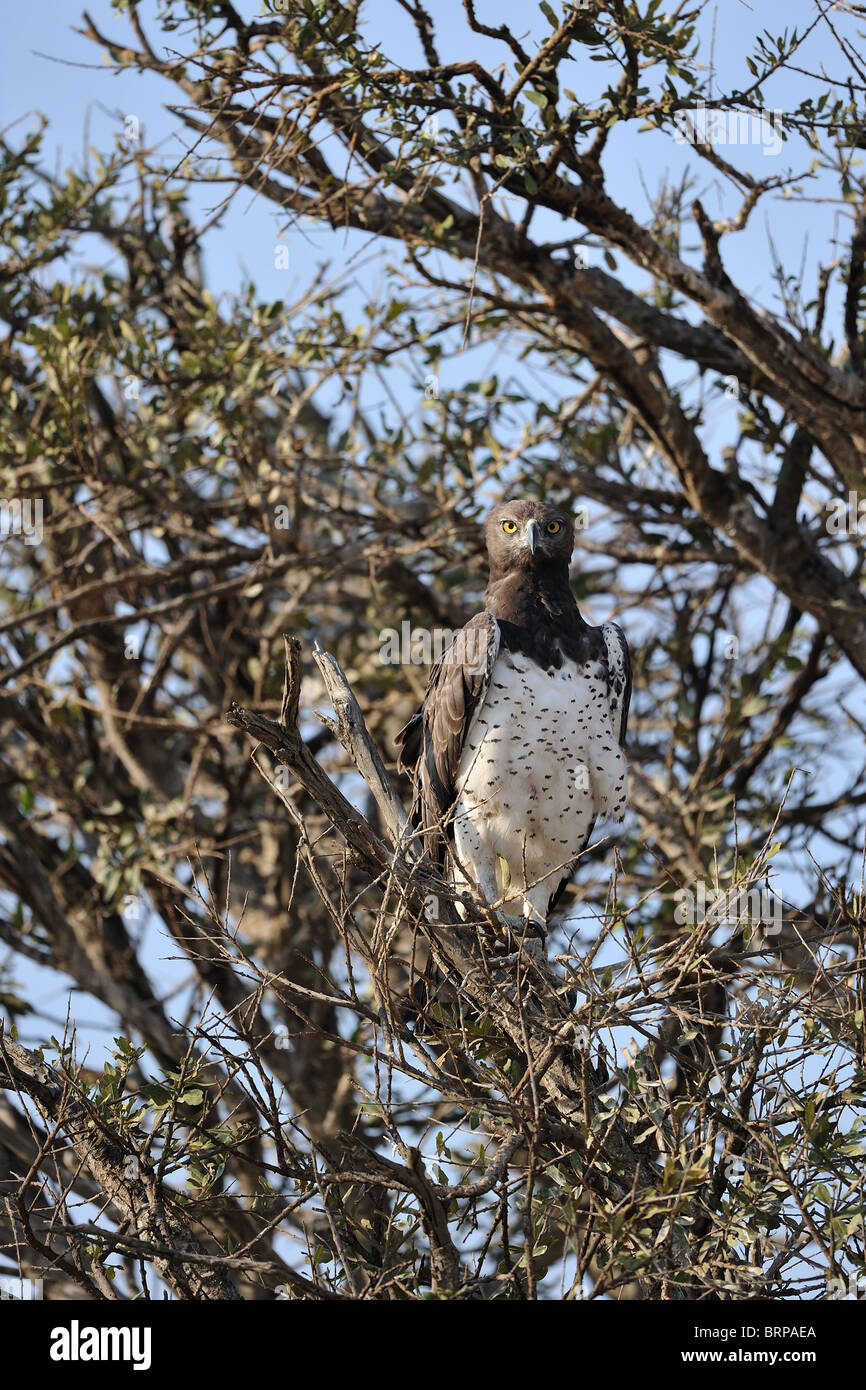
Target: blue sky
column 47, row 67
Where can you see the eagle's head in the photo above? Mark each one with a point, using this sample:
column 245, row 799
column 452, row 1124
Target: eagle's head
column 525, row 535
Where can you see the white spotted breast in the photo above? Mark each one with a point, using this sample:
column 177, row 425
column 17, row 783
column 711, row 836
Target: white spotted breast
column 542, row 759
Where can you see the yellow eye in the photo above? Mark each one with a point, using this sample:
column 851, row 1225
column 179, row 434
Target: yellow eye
column 553, row 527
column 509, row 527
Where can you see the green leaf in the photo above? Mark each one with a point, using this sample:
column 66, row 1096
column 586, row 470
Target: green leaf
column 755, row 704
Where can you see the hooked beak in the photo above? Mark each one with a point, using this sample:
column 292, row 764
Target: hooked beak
column 530, row 536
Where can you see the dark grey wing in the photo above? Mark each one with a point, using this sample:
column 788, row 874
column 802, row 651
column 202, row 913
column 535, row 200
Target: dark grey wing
column 619, row 675
column 432, row 742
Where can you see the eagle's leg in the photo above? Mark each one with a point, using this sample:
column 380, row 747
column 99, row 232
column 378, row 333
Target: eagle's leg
column 480, row 863
column 535, row 903
column 477, row 861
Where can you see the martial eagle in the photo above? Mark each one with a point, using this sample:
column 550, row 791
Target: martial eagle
column 518, row 746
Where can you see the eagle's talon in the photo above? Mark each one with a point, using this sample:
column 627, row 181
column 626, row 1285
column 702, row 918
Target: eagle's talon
column 522, row 934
